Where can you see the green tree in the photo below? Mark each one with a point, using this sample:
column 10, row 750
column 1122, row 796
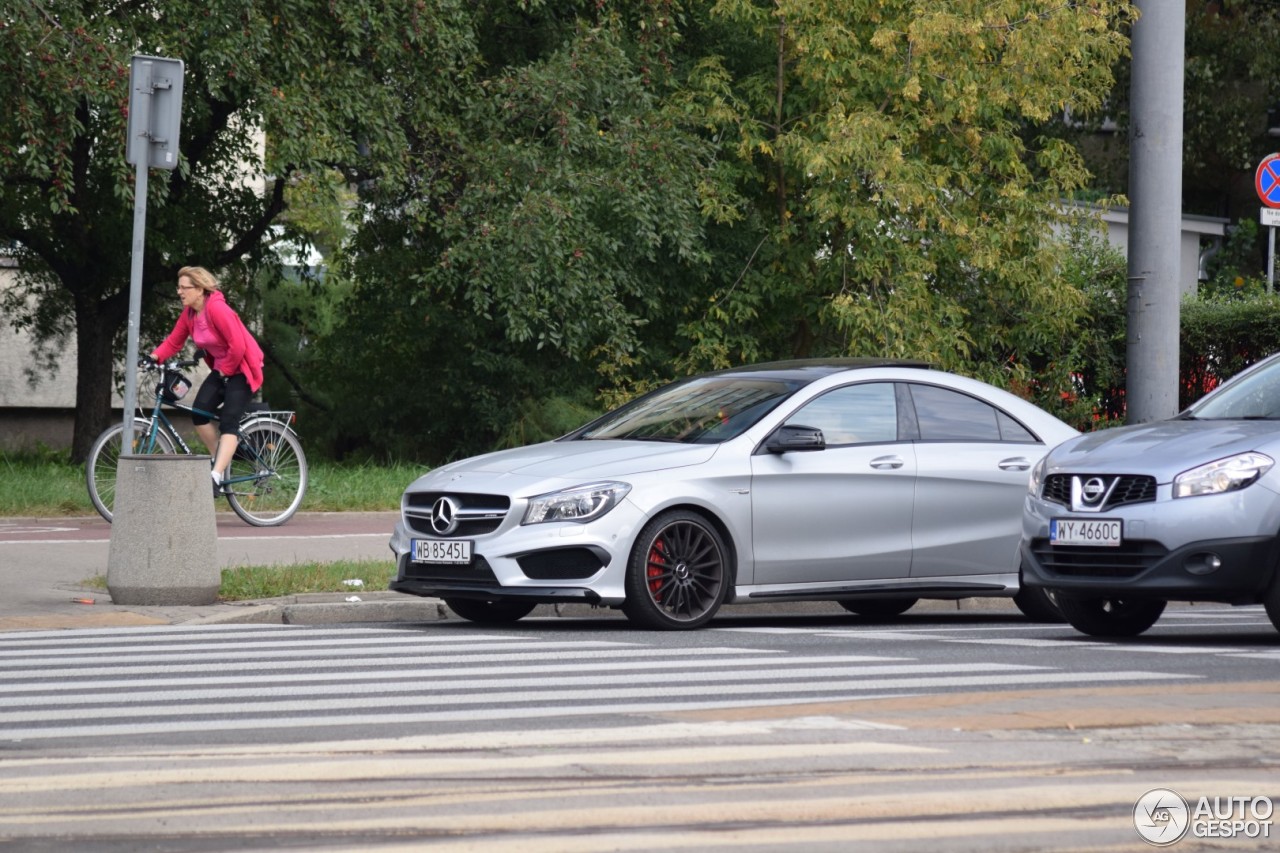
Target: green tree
column 543, row 246
column 330, row 84
column 899, row 210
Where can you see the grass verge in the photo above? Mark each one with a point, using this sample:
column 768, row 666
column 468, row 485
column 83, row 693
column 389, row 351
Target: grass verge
column 44, row 485
column 249, row 582
column 246, row 583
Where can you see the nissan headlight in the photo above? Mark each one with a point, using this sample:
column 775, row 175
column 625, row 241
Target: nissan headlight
column 1225, row 475
column 1037, row 477
column 581, row 503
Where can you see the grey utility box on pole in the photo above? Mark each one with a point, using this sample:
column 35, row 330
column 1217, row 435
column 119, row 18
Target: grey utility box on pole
column 155, row 111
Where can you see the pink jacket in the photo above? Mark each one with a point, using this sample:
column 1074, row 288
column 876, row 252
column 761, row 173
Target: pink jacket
column 243, row 353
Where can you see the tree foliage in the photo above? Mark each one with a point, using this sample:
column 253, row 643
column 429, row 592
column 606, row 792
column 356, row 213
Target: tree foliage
column 560, row 203
column 899, row 210
column 542, row 247
column 328, row 83
column 1231, row 92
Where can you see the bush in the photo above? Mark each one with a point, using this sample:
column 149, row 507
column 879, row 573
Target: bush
column 1082, row 382
column 1222, row 335
column 1230, row 324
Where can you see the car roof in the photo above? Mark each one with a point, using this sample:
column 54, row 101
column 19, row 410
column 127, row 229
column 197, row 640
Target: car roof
column 811, row 369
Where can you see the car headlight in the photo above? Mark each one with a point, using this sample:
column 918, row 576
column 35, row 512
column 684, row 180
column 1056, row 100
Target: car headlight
column 1225, row 475
column 581, row 503
column 1037, row 477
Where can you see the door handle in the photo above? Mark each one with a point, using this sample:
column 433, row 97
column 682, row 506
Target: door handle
column 882, row 463
column 1017, row 463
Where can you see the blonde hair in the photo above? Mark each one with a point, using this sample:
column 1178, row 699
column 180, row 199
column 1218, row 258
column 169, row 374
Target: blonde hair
column 201, row 278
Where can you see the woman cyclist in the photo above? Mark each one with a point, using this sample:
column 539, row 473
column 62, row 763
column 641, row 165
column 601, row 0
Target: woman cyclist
column 230, row 351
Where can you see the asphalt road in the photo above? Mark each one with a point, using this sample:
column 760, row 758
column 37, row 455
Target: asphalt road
column 948, row 731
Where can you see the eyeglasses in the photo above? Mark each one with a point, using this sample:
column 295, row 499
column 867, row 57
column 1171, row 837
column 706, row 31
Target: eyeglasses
column 187, row 287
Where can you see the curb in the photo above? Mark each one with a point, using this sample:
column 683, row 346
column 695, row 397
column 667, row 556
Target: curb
column 324, row 609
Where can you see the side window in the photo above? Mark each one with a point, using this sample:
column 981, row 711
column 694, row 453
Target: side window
column 947, row 415
column 854, row 414
column 1011, row 430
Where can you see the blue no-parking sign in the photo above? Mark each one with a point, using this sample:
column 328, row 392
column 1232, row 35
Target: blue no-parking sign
column 1267, row 181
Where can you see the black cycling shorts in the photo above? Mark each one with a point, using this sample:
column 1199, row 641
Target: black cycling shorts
column 231, row 393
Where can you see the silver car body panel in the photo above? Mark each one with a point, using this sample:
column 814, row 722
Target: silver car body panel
column 1163, row 449
column 840, row 514
column 944, row 587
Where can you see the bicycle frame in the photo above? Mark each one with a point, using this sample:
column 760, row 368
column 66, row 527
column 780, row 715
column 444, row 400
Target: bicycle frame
column 159, row 421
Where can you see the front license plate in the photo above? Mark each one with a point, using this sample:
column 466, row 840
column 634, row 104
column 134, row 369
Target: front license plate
column 442, row 550
column 1102, row 532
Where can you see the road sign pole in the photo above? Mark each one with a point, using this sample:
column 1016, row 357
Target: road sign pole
column 139, row 143
column 1270, row 219
column 155, row 115
column 1271, row 258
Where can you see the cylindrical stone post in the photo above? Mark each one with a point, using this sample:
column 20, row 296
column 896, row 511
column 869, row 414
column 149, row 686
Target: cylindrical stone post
column 164, row 536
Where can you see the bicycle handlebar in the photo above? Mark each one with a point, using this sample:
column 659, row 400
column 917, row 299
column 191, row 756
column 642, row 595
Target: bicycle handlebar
column 145, row 363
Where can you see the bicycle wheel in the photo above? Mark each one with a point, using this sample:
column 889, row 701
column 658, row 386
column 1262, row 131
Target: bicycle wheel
column 274, row 472
column 104, row 458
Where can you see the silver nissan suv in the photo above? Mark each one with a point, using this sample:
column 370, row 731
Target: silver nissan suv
column 1119, row 522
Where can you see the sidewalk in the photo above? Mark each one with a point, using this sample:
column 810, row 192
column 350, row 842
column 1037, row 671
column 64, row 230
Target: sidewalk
column 45, row 565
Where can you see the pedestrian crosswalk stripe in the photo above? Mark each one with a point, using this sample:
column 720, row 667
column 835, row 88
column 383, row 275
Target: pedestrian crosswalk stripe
column 827, row 691
column 437, row 682
column 147, row 682
column 682, row 664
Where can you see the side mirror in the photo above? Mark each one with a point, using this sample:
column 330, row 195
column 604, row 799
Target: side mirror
column 792, row 437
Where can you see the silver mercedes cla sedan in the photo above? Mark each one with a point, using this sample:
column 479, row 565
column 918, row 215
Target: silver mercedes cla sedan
column 873, row 483
column 1121, row 521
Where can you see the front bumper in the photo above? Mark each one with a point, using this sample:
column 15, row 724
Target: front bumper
column 1172, row 550
column 543, row 563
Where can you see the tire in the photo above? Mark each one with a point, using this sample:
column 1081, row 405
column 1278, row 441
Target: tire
column 490, row 612
column 1110, row 617
column 879, row 608
column 678, row 574
column 1038, row 605
column 271, row 459
column 1272, row 601
column 104, row 458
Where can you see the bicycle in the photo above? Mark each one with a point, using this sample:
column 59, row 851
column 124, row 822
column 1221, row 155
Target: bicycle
column 266, row 480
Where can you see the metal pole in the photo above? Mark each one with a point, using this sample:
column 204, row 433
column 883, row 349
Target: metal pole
column 142, row 155
column 1155, row 217
column 1271, row 257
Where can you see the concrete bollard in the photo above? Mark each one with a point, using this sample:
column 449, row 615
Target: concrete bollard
column 164, row 535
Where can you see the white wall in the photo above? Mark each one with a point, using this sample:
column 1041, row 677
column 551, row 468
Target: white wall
column 15, row 358
column 1197, row 233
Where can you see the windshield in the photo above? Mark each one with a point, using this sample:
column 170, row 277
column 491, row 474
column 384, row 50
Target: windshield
column 1255, row 395
column 708, row 410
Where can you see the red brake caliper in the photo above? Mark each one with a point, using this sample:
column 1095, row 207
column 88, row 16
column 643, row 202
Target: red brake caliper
column 657, row 559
